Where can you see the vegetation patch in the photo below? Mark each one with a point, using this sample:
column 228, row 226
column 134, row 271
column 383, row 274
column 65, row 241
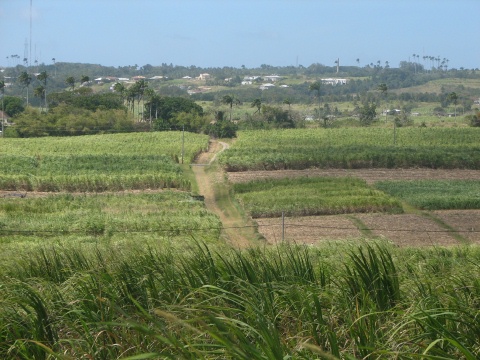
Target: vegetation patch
column 112, row 216
column 99, row 162
column 341, row 301
column 312, row 196
column 354, row 148
column 435, row 194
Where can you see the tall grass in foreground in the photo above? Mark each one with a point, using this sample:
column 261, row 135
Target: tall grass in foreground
column 339, row 301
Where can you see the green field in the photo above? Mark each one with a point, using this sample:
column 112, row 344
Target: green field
column 435, row 194
column 104, row 218
column 354, row 148
column 289, row 302
column 98, row 162
column 312, row 196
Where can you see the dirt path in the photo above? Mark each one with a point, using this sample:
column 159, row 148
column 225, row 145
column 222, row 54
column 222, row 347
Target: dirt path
column 211, row 180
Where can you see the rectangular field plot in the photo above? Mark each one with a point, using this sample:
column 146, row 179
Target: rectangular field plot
column 466, row 222
column 435, row 194
column 98, row 163
column 407, row 230
column 165, row 214
column 350, row 148
column 308, row 230
column 312, row 196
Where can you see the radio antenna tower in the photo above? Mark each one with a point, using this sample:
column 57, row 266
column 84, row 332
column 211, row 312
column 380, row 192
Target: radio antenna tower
column 30, row 54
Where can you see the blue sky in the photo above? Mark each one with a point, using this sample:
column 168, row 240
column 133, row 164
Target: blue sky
column 217, row 33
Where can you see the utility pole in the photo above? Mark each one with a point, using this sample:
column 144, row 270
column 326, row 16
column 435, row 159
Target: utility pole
column 283, row 226
column 183, row 141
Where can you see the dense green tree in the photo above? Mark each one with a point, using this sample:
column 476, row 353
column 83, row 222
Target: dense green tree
column 13, row 105
column 166, row 108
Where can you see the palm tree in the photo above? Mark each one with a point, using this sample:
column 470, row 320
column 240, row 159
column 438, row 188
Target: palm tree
column 43, row 76
column 453, row 97
column 70, row 81
column 25, row 79
column 39, row 92
column 358, row 61
column 258, row 104
column 230, row 101
column 84, row 79
column 55, row 66
column 383, row 90
column 121, row 89
column 287, row 102
column 2, row 89
column 149, row 94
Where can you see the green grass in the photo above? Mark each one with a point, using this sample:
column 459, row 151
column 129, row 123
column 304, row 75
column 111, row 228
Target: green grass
column 312, row 196
column 354, row 148
column 98, row 163
column 348, row 301
column 106, row 217
column 435, row 194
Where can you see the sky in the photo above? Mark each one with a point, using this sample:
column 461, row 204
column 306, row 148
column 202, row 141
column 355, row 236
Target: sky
column 218, row 33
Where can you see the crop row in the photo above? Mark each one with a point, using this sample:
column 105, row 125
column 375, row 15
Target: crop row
column 98, row 163
column 435, row 194
column 354, row 148
column 163, row 213
column 152, row 143
column 312, row 196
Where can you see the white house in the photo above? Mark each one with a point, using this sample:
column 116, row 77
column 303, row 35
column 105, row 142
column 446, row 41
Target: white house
column 272, row 78
column 331, row 81
column 204, row 76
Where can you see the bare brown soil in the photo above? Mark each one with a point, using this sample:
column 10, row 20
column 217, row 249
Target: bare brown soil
column 401, row 229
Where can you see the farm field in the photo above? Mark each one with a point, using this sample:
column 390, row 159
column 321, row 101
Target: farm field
column 99, row 162
column 312, row 196
column 113, row 218
column 350, row 148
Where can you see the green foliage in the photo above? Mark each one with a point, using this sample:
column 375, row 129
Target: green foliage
column 65, row 120
column 90, row 101
column 98, row 163
column 367, row 113
column 312, row 196
column 208, row 302
column 354, row 148
column 221, row 129
column 166, row 108
column 435, row 194
column 13, row 105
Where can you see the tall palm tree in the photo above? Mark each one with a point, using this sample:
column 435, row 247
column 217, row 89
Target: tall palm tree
column 383, row 90
column 25, row 79
column 287, row 102
column 2, row 89
column 229, row 100
column 55, row 66
column 121, row 89
column 453, row 97
column 258, row 104
column 43, row 76
column 39, row 92
column 70, row 81
column 84, row 79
